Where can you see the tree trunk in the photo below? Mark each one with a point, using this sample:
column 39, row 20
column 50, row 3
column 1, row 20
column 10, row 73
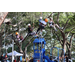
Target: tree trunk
column 0, row 43
column 69, row 54
column 70, row 46
column 25, row 52
column 63, row 44
column 63, row 47
column 20, row 49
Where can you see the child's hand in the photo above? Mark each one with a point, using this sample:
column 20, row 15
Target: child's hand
column 45, row 25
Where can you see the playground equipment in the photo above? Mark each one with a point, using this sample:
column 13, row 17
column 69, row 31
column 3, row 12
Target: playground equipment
column 57, row 53
column 39, row 50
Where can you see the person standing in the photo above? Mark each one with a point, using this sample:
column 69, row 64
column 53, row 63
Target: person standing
column 6, row 57
column 2, row 58
column 67, row 60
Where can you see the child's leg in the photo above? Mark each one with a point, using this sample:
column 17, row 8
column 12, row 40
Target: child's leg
column 54, row 27
column 38, row 29
column 33, row 33
column 18, row 38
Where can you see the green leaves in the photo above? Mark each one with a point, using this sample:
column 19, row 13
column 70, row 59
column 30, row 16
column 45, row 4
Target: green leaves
column 23, row 18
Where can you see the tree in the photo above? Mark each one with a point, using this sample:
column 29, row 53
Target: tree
column 63, row 37
column 2, row 17
column 68, row 28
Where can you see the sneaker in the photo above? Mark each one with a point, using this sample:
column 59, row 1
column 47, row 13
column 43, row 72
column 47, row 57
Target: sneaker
column 61, row 28
column 40, row 33
column 36, row 36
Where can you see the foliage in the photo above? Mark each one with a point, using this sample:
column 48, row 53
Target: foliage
column 23, row 18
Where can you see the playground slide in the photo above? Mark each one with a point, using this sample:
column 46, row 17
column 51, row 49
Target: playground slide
column 47, row 58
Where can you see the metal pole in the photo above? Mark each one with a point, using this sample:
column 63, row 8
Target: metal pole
column 58, row 55
column 25, row 53
column 12, row 49
column 4, row 34
column 6, row 50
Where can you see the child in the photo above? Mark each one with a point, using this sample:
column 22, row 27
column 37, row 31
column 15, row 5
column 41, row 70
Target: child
column 52, row 24
column 30, row 30
column 19, row 37
column 42, row 24
column 40, row 20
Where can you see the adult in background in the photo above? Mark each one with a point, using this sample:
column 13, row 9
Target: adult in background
column 6, row 57
column 66, row 57
column 2, row 58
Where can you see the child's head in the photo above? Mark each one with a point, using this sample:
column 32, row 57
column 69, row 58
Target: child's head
column 51, row 18
column 29, row 25
column 40, row 17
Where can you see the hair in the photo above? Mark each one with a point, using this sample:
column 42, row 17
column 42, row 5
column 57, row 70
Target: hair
column 50, row 19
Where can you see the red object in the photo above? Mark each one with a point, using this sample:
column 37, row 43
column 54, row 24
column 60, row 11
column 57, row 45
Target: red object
column 14, row 60
column 38, row 60
column 5, row 56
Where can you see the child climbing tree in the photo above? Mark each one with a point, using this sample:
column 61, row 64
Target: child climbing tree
column 65, row 20
column 52, row 24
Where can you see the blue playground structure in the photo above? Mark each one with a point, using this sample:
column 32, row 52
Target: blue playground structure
column 39, row 51
column 51, row 55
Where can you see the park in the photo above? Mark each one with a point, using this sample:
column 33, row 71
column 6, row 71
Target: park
column 37, row 36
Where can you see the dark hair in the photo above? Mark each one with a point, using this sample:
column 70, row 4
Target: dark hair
column 65, row 54
column 50, row 18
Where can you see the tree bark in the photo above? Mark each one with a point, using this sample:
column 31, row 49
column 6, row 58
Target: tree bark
column 69, row 46
column 0, row 43
column 58, row 18
column 63, row 44
column 20, row 49
column 3, row 17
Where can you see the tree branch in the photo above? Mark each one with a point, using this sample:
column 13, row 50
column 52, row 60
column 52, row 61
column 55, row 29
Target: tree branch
column 3, row 18
column 50, row 15
column 70, row 31
column 58, row 18
column 66, row 24
column 28, row 44
column 67, row 46
column 59, row 39
column 71, row 40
